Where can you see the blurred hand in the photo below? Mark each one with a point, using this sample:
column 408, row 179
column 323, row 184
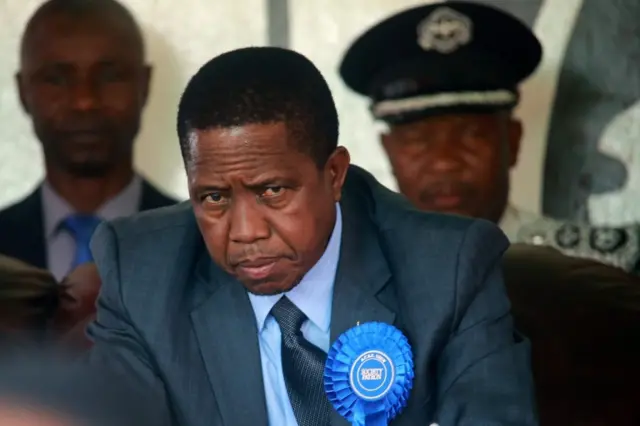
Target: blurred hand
column 78, row 293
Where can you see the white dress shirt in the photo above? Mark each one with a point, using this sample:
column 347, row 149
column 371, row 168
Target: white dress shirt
column 60, row 243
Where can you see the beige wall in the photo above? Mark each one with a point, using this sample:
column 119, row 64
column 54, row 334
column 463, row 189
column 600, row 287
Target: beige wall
column 537, row 100
column 183, row 37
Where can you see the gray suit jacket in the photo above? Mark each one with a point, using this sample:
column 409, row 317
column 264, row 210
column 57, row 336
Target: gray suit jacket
column 169, row 317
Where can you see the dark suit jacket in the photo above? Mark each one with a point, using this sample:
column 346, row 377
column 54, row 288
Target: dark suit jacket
column 22, row 225
column 170, row 317
column 582, row 317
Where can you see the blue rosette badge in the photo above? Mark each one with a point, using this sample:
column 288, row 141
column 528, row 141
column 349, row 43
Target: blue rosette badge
column 369, row 374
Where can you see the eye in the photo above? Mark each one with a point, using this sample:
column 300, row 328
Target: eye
column 214, row 198
column 54, row 79
column 111, row 75
column 273, row 191
column 474, row 132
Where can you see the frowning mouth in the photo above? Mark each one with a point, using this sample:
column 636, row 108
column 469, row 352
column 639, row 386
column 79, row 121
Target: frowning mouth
column 256, row 269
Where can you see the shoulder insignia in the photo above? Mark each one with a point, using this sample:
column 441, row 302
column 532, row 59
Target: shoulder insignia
column 615, row 246
column 568, row 236
column 607, row 240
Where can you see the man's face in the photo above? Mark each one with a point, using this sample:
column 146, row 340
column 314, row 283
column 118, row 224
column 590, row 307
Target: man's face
column 84, row 84
column 455, row 163
column 264, row 208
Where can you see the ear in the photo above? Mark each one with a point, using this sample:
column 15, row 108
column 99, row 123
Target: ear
column 514, row 138
column 336, row 168
column 390, row 148
column 147, row 74
column 22, row 92
column 385, row 141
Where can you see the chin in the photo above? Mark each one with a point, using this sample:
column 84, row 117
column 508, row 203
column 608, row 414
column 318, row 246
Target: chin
column 89, row 169
column 269, row 288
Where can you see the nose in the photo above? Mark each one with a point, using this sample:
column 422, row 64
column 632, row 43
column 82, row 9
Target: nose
column 85, row 96
column 248, row 225
column 444, row 157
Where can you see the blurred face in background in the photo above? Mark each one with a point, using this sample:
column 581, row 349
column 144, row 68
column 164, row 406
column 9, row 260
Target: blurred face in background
column 455, row 163
column 17, row 415
column 84, row 83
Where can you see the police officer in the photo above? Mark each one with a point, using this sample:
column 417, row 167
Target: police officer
column 444, row 79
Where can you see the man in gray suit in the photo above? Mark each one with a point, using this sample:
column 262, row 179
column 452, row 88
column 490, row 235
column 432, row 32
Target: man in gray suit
column 227, row 305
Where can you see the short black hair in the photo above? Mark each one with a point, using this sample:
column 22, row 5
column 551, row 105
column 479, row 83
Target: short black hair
column 258, row 85
column 82, row 8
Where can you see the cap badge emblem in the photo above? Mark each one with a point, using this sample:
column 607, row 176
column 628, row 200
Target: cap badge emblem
column 444, row 30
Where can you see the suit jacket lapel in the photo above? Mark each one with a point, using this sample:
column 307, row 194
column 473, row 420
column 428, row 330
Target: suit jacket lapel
column 27, row 227
column 362, row 273
column 226, row 329
column 225, row 326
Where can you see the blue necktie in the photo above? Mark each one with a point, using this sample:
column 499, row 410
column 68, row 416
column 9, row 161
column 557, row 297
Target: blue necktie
column 81, row 226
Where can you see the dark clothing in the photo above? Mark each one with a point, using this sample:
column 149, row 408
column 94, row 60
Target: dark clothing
column 169, row 316
column 22, row 233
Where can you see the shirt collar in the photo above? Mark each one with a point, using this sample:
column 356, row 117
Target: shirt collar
column 56, row 209
column 313, row 295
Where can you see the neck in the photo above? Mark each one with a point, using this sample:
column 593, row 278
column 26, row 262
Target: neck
column 86, row 195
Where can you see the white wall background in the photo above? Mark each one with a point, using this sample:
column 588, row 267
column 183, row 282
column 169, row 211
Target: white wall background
column 181, row 38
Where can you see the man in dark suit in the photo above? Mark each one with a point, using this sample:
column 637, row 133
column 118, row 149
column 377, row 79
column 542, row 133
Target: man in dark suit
column 83, row 82
column 226, row 306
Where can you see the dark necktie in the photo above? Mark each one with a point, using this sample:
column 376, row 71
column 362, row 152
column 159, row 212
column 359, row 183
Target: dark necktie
column 302, row 366
column 81, row 226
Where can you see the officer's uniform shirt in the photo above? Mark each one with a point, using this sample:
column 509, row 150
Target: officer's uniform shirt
column 466, row 57
column 615, row 246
